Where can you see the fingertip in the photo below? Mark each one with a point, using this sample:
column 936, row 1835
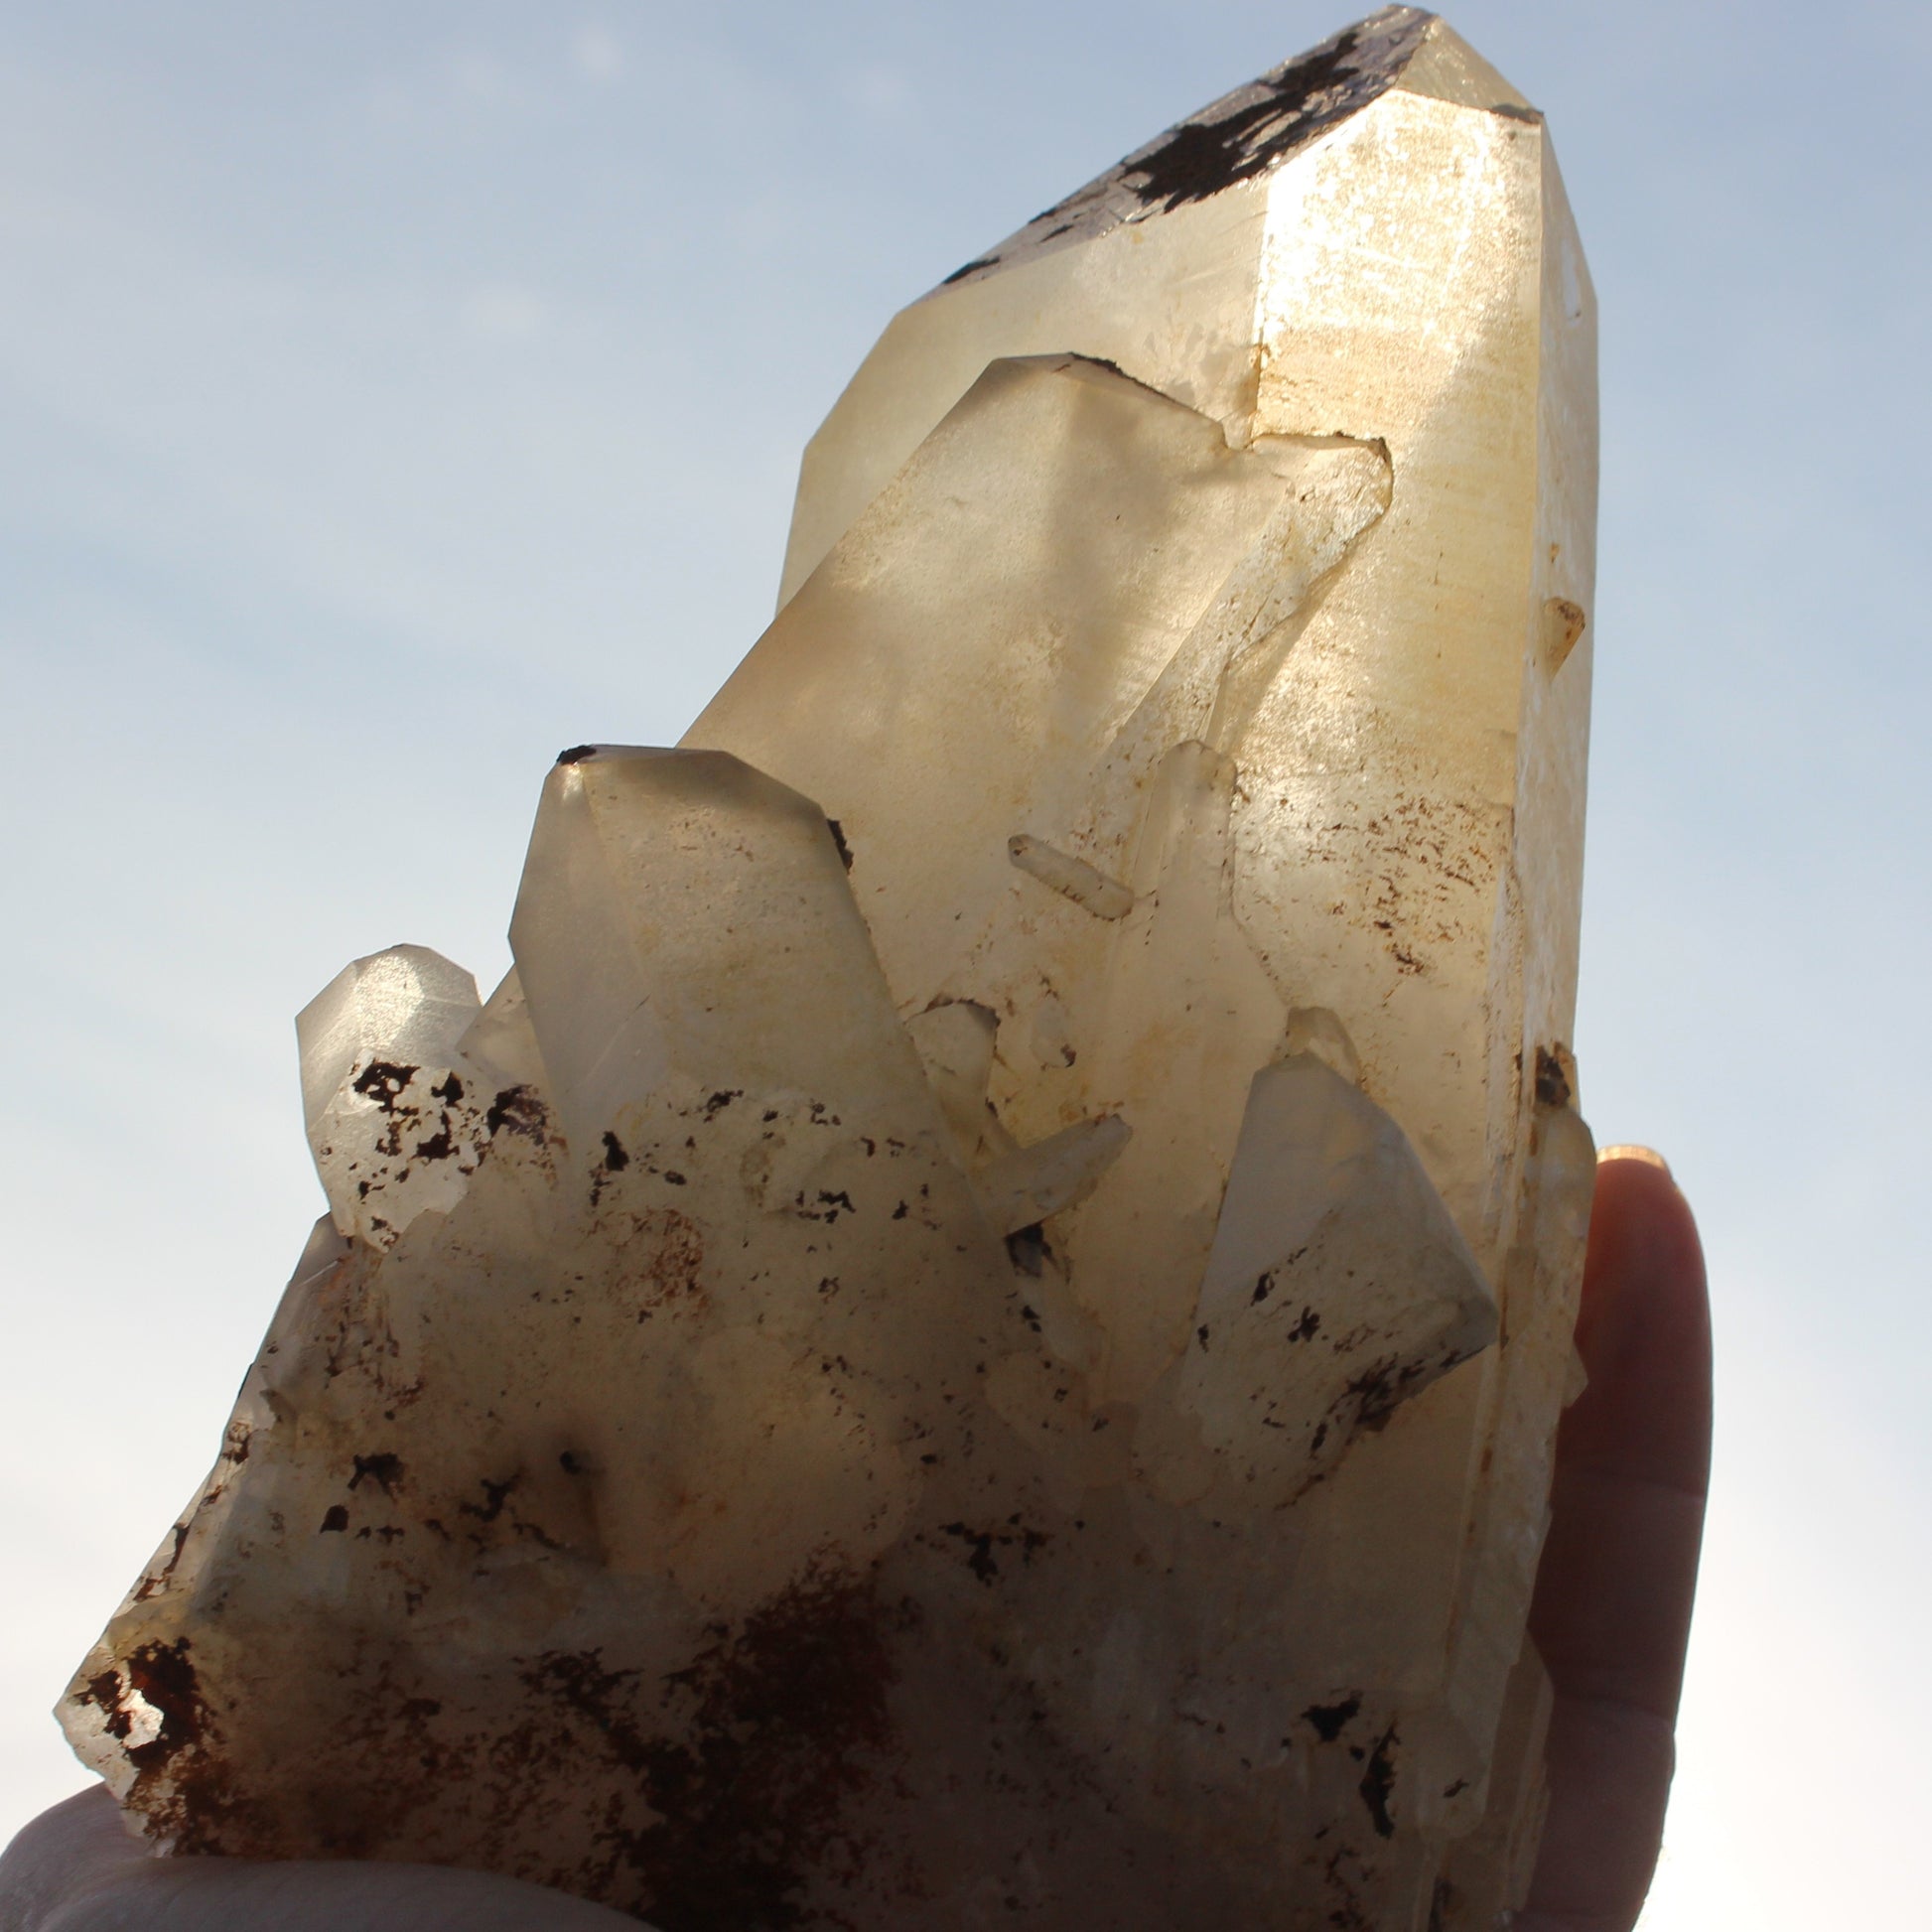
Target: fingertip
column 1644, row 1331
column 1632, row 1150
column 1643, row 1236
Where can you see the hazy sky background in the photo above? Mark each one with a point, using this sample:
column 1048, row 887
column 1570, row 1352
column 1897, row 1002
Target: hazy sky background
column 391, row 394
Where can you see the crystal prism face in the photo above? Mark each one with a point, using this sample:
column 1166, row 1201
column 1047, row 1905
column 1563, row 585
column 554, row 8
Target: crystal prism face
column 975, row 1332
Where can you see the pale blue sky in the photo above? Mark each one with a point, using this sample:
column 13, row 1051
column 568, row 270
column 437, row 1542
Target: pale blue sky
column 392, row 394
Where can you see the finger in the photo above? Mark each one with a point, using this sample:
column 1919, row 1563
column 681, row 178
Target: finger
column 82, row 1837
column 238, row 1895
column 1613, row 1611
column 76, row 1869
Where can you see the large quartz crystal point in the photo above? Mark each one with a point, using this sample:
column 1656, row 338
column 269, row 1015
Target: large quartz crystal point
column 973, row 1336
column 1365, row 262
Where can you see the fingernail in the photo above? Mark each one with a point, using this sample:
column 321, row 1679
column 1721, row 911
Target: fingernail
column 1632, row 1152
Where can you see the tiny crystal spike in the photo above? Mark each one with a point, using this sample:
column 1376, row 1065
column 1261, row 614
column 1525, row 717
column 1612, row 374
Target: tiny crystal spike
column 974, row 1335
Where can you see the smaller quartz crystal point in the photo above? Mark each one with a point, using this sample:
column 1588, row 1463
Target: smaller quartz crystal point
column 1324, row 1188
column 973, row 1334
column 676, row 908
column 392, row 1123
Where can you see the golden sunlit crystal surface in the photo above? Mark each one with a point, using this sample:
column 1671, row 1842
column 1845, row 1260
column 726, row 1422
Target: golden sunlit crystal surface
column 973, row 1336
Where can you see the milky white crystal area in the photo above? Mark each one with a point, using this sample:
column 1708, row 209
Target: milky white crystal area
column 973, row 1336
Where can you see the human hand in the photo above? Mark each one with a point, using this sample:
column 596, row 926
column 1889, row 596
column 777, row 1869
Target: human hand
column 76, row 1869
column 1613, row 1611
column 1612, row 1617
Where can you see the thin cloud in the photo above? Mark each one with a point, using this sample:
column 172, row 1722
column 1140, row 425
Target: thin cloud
column 598, row 54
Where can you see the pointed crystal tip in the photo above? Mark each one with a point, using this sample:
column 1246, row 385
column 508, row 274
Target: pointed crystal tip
column 1251, row 130
column 1247, row 131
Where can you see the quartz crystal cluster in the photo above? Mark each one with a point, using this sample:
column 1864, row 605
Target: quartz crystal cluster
column 972, row 1336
